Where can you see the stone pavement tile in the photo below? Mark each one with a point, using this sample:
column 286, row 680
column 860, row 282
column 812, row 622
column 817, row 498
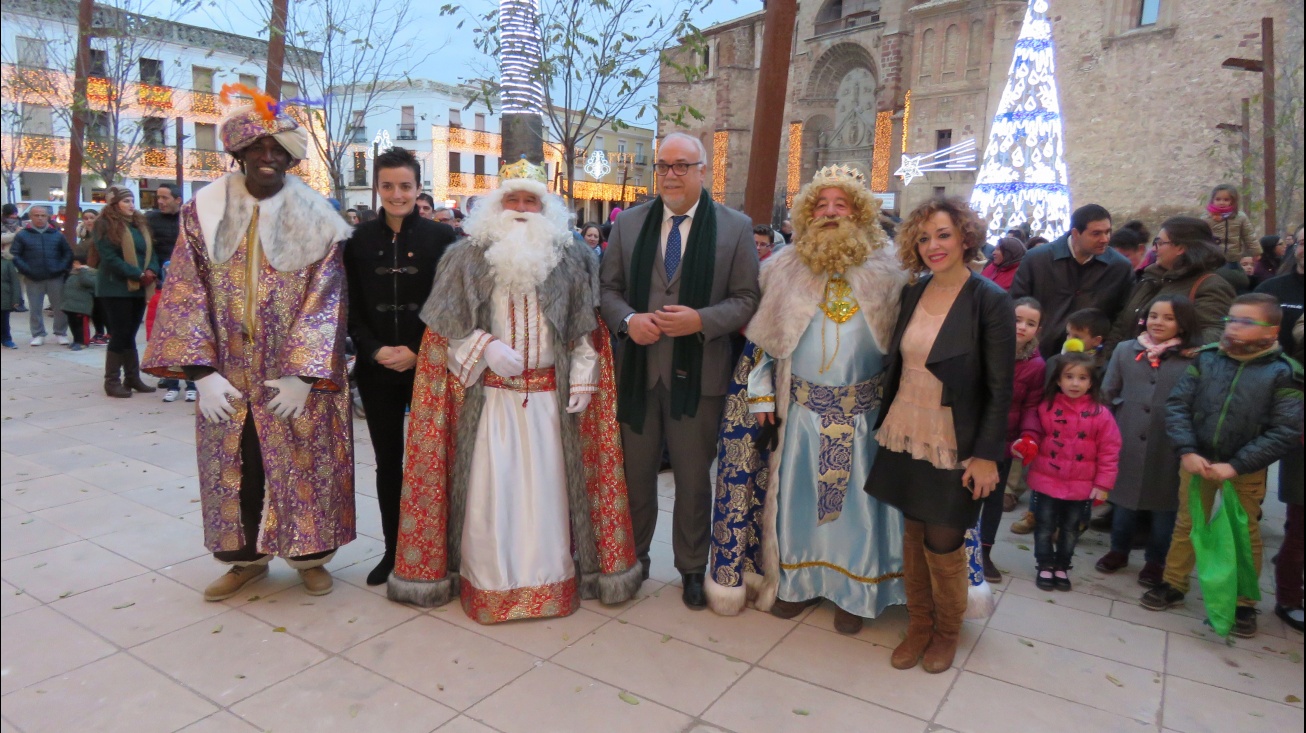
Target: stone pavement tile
column 979, row 704
column 368, row 519
column 103, row 434
column 114, row 695
column 52, row 418
column 1074, row 599
column 1085, row 632
column 1191, row 707
column 23, row 534
column 138, row 609
column 1176, row 623
column 451, row 665
column 125, row 474
column 158, row 545
column 748, row 636
column 34, row 439
column 829, row 659
column 198, row 572
column 220, row 722
column 551, row 699
column 1101, row 683
column 49, row 491
column 334, row 622
column 174, row 499
column 656, row 666
column 890, row 627
column 40, row 643
column 766, row 701
column 230, row 656
column 5, row 727
column 65, row 458
column 362, row 549
column 13, row 468
column 62, row 571
column 9, row 510
column 663, row 567
column 538, row 637
column 646, row 591
column 464, row 724
column 1258, row 673
column 339, row 696
column 355, row 574
column 14, row 600
column 103, row 515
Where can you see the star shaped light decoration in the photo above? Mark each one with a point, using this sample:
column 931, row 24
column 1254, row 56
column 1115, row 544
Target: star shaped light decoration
column 910, row 168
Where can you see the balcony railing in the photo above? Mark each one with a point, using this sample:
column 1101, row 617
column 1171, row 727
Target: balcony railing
column 200, row 162
column 472, row 182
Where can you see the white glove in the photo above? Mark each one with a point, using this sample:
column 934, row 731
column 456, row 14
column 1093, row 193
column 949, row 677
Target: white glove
column 214, row 391
column 578, row 402
column 292, row 393
column 503, row 359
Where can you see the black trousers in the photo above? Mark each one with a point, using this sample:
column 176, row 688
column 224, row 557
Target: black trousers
column 97, row 318
column 253, row 482
column 124, row 316
column 386, row 397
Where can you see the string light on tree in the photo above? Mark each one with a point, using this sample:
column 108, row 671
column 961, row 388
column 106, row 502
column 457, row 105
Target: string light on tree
column 794, row 172
column 720, row 154
column 880, row 155
column 520, row 55
column 1023, row 178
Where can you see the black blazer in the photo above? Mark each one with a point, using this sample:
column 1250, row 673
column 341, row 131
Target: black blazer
column 974, row 356
column 390, row 278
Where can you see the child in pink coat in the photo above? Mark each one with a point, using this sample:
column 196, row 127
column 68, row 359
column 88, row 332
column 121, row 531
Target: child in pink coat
column 1071, row 446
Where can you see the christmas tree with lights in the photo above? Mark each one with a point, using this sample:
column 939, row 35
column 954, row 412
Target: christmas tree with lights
column 1023, row 177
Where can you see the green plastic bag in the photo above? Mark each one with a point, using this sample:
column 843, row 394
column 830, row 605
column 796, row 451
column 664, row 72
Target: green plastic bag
column 1223, row 546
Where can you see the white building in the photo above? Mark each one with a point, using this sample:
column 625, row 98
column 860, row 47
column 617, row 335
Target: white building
column 173, row 79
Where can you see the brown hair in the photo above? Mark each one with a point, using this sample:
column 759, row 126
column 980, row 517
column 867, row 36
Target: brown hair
column 1060, row 363
column 1230, row 189
column 1198, row 241
column 964, row 219
column 111, row 225
column 1269, row 306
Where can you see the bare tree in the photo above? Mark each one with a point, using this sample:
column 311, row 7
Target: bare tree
column 366, row 48
column 15, row 121
column 598, row 63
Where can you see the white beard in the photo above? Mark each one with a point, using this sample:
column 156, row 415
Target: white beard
column 521, row 253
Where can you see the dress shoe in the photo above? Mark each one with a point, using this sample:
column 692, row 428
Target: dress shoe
column 693, row 594
column 381, row 573
column 847, row 623
column 789, row 609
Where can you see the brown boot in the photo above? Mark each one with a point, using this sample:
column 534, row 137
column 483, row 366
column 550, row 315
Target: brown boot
column 236, row 578
column 920, row 598
column 950, row 581
column 847, row 623
column 317, row 581
column 113, row 375
column 789, row 609
column 131, row 372
column 1024, row 525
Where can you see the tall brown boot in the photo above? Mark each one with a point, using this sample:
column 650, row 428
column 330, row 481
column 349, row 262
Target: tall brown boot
column 950, row 581
column 131, row 372
column 920, row 598
column 112, row 375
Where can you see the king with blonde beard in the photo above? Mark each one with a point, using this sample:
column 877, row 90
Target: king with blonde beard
column 797, row 431
column 513, row 495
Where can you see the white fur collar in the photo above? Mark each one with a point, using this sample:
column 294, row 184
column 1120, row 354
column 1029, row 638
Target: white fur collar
column 296, row 227
column 791, row 294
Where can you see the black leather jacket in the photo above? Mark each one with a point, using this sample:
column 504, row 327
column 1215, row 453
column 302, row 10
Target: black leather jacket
column 390, row 276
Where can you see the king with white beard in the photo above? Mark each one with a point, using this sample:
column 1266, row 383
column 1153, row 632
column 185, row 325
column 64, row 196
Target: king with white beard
column 513, row 495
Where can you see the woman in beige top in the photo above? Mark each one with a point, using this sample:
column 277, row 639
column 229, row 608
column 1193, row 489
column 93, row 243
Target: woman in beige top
column 943, row 424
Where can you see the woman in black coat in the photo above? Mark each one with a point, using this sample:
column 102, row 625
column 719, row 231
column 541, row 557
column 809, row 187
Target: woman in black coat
column 943, row 419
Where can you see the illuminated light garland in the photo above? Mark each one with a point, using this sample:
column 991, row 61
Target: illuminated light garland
column 520, row 56
column 794, row 177
column 154, row 97
column 99, row 91
column 882, row 152
column 959, row 157
column 1023, row 179
column 720, row 159
column 906, row 119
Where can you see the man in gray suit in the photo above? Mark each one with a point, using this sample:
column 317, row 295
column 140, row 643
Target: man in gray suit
column 678, row 278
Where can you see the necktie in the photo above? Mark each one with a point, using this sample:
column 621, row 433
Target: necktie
column 672, row 258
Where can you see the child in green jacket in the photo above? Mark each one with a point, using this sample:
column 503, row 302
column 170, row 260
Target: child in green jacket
column 79, row 300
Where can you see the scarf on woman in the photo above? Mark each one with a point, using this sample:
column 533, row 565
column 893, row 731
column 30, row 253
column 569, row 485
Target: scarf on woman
column 1153, row 350
column 697, row 270
column 129, row 252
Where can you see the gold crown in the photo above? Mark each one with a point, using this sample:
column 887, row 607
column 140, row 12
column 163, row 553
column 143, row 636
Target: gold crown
column 523, row 169
column 841, row 172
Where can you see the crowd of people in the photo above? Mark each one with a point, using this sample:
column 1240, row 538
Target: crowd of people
column 876, row 392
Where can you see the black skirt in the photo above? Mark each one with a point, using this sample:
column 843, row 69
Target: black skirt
column 921, row 491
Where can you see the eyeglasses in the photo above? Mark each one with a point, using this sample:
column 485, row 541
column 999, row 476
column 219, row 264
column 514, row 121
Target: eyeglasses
column 1156, row 243
column 680, row 168
column 1246, row 322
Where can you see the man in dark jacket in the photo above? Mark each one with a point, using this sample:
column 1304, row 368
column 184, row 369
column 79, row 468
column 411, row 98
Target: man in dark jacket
column 1076, row 271
column 43, row 256
column 390, row 265
column 165, row 224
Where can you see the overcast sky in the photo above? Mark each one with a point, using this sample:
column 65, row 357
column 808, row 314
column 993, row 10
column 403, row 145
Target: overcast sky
column 458, row 60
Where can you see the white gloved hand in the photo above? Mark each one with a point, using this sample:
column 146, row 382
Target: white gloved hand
column 503, row 359
column 578, row 402
column 292, row 393
column 214, row 391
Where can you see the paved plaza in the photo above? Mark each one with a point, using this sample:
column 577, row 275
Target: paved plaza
column 104, row 628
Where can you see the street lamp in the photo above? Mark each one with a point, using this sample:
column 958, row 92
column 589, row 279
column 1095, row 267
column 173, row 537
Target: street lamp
column 1265, row 67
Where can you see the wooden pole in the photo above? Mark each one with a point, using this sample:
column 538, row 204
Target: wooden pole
column 277, row 48
column 181, row 159
column 82, row 69
column 1247, row 148
column 768, row 112
column 1268, row 121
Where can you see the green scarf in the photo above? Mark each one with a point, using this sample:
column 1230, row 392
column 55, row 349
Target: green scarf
column 697, row 270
